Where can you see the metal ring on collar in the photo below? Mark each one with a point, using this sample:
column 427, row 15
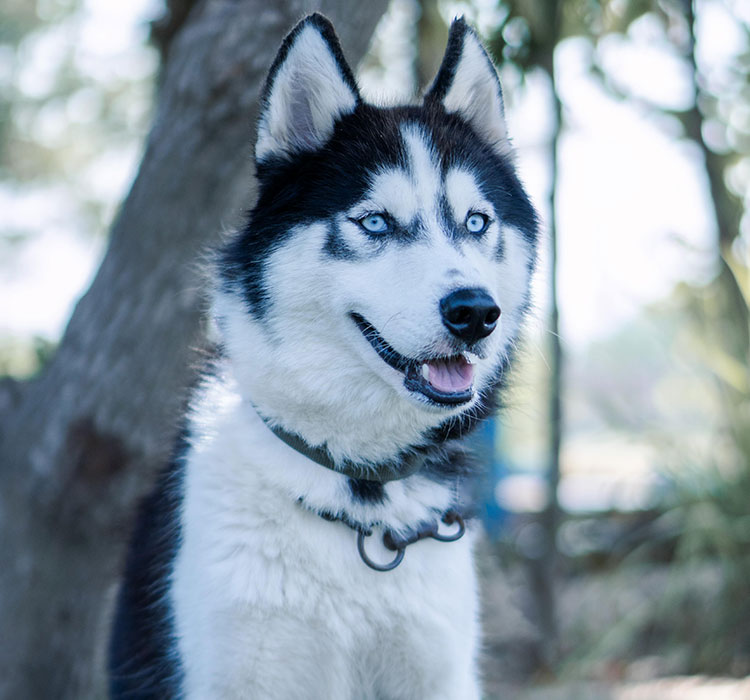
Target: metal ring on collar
column 449, row 518
column 373, row 565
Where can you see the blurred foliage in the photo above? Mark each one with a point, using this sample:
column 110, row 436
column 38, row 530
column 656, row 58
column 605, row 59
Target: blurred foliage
column 25, row 359
column 717, row 119
column 710, row 503
column 75, row 101
column 60, row 110
column 680, row 597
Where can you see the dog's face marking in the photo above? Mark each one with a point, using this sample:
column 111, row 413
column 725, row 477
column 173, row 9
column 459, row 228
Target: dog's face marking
column 368, row 220
column 420, row 198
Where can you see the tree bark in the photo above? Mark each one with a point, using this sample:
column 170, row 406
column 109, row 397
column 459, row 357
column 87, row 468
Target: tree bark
column 544, row 566
column 80, row 444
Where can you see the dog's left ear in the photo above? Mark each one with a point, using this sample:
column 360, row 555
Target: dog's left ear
column 467, row 84
column 308, row 88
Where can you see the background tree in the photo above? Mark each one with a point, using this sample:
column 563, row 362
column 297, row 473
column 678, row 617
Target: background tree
column 81, row 441
column 712, row 489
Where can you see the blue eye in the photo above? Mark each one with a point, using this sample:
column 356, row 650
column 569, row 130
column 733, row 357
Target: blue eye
column 373, row 223
column 477, row 223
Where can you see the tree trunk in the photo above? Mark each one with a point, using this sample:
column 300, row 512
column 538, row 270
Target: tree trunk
column 79, row 444
column 728, row 310
column 544, row 568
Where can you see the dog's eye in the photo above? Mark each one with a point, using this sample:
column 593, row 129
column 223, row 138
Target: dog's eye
column 476, row 222
column 373, row 223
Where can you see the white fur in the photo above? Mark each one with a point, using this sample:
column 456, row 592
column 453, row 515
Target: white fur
column 394, row 188
column 272, row 601
column 307, row 96
column 475, row 94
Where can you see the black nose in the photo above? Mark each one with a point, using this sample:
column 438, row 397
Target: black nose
column 470, row 314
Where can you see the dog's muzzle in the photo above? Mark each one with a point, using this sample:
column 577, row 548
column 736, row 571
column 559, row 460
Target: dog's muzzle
column 444, row 380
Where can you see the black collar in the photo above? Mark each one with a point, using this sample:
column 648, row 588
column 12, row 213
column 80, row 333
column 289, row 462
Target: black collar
column 399, row 468
column 402, row 466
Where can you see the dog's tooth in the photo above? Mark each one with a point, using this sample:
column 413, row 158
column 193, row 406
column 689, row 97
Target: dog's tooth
column 426, row 372
column 470, row 357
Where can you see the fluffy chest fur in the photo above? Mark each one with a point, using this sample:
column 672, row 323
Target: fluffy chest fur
column 271, row 600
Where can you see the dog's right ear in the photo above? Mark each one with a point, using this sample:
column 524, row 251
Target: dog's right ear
column 309, row 87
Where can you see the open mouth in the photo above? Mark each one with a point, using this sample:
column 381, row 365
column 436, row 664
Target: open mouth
column 447, row 381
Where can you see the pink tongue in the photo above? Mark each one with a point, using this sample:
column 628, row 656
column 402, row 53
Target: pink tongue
column 451, row 376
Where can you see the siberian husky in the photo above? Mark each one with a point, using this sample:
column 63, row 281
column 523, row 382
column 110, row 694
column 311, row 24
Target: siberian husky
column 305, row 542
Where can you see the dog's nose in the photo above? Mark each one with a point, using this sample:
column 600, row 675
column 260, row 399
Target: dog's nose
column 470, row 314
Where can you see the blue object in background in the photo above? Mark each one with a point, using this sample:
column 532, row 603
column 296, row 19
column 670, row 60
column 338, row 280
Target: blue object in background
column 484, row 445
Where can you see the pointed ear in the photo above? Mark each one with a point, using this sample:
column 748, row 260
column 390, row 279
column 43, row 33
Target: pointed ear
column 308, row 88
column 467, row 84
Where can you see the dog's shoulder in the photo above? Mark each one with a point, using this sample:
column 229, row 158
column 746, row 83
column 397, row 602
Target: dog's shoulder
column 143, row 658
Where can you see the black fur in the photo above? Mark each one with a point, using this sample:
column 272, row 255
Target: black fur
column 336, row 246
column 320, row 184
column 143, row 661
column 447, row 70
column 366, row 491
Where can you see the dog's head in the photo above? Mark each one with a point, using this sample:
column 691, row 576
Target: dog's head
column 380, row 281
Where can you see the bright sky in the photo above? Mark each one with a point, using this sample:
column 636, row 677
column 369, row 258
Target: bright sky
column 633, row 212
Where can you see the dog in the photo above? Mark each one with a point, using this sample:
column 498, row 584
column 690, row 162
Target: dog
column 306, row 540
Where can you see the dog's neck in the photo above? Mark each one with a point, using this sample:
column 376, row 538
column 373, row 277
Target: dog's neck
column 400, row 504
column 402, row 465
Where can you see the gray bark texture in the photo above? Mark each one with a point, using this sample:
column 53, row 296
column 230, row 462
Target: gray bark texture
column 81, row 443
